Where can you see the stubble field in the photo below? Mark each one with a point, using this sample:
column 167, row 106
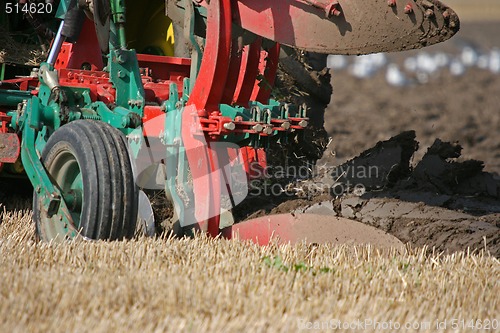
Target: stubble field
column 207, row 285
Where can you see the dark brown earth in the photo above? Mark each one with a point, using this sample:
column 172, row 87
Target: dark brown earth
column 464, row 109
column 440, row 203
column 418, row 209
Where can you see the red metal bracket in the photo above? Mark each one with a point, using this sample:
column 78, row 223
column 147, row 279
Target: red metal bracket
column 85, row 54
column 248, row 73
column 204, row 100
column 268, row 66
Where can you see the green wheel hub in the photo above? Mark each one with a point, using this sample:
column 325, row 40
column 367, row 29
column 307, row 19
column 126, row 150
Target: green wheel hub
column 65, row 171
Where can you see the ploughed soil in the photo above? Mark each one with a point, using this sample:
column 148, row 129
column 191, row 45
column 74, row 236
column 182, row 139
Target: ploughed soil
column 434, row 176
column 448, row 205
column 453, row 108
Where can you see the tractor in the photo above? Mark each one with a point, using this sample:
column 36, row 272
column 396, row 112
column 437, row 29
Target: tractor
column 175, row 95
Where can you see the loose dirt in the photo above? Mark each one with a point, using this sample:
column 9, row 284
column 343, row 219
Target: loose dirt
column 451, row 108
column 449, row 199
column 436, row 181
column 441, row 203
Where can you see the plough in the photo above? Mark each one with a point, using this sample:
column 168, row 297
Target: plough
column 189, row 111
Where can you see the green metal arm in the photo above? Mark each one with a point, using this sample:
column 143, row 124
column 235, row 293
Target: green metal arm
column 51, row 197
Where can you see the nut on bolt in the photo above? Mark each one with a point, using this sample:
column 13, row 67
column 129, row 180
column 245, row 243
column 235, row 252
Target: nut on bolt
column 257, row 128
column 125, row 121
column 268, row 130
column 303, row 123
column 229, row 126
column 285, row 125
column 429, row 13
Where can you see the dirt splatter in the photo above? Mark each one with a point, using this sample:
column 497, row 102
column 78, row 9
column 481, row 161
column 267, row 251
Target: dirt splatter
column 441, row 203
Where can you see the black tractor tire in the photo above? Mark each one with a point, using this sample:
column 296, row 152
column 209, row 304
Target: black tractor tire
column 109, row 195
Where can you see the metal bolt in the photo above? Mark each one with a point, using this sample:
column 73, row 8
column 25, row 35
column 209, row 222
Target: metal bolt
column 268, row 130
column 429, row 13
column 285, row 125
column 258, row 128
column 303, row 123
column 121, row 58
column 34, row 72
column 391, row 3
column 125, row 121
column 162, row 137
column 229, row 126
column 256, row 113
column 408, row 9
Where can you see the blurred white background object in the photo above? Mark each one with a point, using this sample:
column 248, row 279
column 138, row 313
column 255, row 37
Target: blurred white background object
column 420, row 67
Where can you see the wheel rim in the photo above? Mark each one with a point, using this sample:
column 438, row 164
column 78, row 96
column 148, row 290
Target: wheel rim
column 89, row 164
column 66, row 172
